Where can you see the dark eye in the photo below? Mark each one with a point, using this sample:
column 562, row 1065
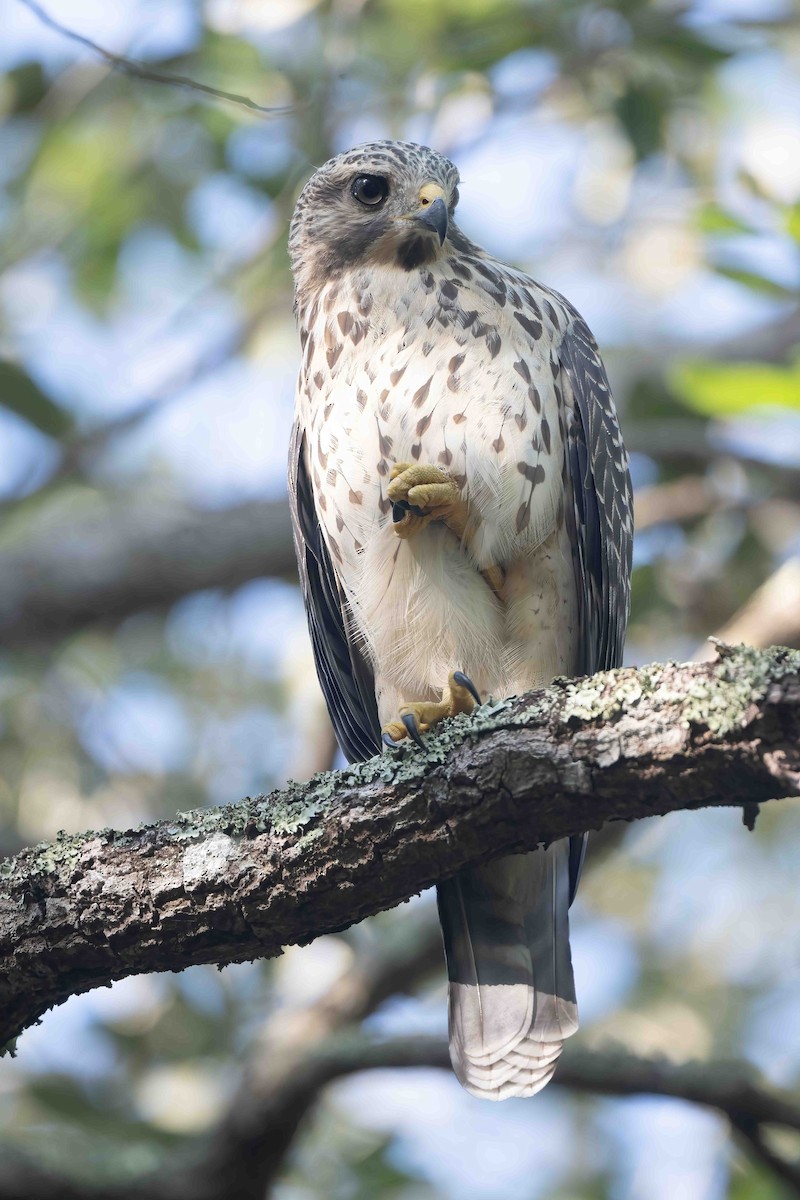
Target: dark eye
column 370, row 190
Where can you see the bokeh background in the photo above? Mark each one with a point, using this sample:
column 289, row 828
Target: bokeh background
column 644, row 159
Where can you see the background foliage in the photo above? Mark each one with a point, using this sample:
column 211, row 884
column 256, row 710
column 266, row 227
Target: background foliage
column 643, row 158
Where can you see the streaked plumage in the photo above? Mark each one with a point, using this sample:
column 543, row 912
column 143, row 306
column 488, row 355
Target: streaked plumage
column 416, row 352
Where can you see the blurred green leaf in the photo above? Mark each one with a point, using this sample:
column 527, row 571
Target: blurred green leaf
column 376, row 1176
column 29, row 84
column 793, row 222
column 713, row 218
column 751, row 1181
column 21, row 395
column 722, row 390
column 687, row 49
column 641, row 111
column 758, row 283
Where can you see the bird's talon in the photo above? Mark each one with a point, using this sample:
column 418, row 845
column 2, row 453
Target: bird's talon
column 401, row 509
column 410, row 722
column 388, row 740
column 464, row 681
column 421, row 493
column 460, row 696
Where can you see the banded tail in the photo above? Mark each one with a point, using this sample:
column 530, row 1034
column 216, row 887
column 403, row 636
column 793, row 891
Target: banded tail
column 511, row 995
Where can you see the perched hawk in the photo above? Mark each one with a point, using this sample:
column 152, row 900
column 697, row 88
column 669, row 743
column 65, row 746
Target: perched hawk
column 462, row 516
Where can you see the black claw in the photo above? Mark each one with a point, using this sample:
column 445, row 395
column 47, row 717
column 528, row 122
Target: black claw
column 464, row 681
column 401, row 508
column 388, row 740
column 410, row 722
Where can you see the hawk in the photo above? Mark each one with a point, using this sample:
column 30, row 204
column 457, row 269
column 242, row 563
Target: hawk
column 462, row 515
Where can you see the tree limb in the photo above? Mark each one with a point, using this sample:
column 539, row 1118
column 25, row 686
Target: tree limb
column 249, row 1165
column 246, row 1153
column 683, row 442
column 772, row 612
column 81, row 564
column 80, row 567
column 733, row 1089
column 243, row 880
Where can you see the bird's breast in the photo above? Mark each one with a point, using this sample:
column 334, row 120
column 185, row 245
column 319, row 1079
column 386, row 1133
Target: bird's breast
column 445, row 375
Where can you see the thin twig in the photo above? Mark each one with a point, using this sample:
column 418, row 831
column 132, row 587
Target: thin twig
column 137, row 70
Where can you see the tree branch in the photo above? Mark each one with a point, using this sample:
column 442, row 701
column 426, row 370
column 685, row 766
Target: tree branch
column 245, row 880
column 81, row 567
column 733, row 1089
column 77, row 567
column 771, row 613
column 245, row 1154
column 683, row 442
column 137, row 70
column 246, row 1151
column 246, row 1166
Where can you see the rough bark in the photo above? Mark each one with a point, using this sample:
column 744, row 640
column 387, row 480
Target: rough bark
column 244, row 880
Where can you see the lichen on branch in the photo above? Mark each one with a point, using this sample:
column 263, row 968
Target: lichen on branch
column 244, row 880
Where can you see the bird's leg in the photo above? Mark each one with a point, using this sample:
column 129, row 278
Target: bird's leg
column 421, row 493
column 460, row 696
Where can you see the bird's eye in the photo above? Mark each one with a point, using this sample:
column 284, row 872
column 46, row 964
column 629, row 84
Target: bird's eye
column 370, row 190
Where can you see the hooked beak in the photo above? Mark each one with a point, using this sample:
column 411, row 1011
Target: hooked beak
column 434, row 217
column 432, row 212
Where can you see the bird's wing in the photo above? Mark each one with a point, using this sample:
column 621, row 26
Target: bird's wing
column 344, row 674
column 602, row 503
column 600, row 515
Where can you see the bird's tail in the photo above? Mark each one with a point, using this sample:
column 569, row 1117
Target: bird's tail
column 511, row 995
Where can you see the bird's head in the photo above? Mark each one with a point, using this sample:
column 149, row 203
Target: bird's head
column 387, row 203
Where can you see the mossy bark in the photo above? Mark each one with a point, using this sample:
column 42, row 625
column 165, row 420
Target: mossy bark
column 241, row 881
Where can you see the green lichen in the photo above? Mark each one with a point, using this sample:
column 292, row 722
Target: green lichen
column 307, row 839
column 290, row 818
column 742, row 677
column 587, row 701
column 716, row 698
column 63, row 853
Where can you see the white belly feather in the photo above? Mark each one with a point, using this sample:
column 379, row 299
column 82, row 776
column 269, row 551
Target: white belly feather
column 411, row 390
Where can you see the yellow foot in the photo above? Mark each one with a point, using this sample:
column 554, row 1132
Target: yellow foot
column 460, row 696
column 421, row 493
